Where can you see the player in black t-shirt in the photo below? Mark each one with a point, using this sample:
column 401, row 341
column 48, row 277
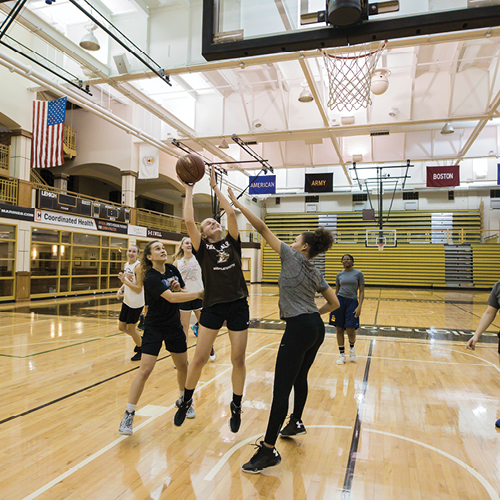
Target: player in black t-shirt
column 225, row 300
column 164, row 289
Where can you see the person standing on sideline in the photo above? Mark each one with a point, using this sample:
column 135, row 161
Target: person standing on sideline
column 132, row 295
column 190, row 270
column 346, row 317
column 225, row 300
column 298, row 282
column 486, row 320
column 164, row 290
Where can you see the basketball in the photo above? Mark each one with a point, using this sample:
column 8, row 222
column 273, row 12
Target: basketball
column 190, row 168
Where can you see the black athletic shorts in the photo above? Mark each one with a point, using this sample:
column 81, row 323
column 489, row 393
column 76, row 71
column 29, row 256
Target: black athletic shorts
column 129, row 315
column 173, row 337
column 192, row 305
column 236, row 314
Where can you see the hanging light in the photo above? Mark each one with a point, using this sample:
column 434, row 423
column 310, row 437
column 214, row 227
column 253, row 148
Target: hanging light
column 306, row 96
column 89, row 41
column 223, row 144
column 447, row 129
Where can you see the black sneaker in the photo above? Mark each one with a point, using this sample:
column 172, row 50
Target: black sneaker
column 235, row 420
column 294, row 427
column 264, row 457
column 180, row 414
column 140, row 326
column 138, row 354
column 498, row 334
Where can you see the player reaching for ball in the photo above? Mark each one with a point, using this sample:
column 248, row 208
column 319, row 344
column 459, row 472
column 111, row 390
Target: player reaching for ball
column 299, row 281
column 225, row 300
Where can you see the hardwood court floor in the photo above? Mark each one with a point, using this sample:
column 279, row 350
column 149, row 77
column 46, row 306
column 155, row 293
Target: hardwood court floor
column 412, row 418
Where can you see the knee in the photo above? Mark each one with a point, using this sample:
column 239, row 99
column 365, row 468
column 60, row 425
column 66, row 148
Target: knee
column 145, row 372
column 238, row 361
column 122, row 327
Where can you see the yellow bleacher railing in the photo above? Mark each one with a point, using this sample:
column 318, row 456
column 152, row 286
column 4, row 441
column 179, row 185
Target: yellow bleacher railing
column 9, row 189
column 69, row 142
column 4, row 158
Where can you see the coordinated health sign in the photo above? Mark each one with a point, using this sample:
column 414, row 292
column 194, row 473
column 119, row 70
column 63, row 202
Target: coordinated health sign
column 265, row 184
column 443, row 176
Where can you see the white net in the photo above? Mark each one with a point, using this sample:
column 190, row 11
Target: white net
column 350, row 74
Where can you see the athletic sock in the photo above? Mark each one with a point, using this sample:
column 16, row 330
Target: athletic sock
column 342, row 349
column 181, row 394
column 351, row 345
column 188, row 394
column 130, row 407
column 237, row 399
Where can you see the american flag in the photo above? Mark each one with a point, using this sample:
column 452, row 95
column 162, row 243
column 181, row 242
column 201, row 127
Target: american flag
column 48, row 133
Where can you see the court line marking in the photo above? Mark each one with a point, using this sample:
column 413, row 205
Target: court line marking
column 486, row 485
column 484, row 361
column 160, row 411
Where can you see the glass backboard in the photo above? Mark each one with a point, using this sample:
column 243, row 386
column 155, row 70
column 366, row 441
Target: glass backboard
column 242, row 28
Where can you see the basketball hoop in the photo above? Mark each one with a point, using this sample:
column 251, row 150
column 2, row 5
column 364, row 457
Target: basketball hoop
column 381, row 246
column 350, row 76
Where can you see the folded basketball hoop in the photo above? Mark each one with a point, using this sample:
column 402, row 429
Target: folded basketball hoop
column 350, row 71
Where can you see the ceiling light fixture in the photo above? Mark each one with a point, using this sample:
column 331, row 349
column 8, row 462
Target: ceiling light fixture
column 380, row 81
column 89, row 41
column 257, row 124
column 223, row 144
column 447, row 129
column 306, row 96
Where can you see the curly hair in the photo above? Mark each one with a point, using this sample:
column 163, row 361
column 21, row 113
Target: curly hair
column 319, row 241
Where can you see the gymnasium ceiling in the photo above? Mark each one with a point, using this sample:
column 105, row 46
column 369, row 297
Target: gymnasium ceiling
column 434, row 79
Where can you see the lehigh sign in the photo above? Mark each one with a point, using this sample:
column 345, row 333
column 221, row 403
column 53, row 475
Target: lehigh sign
column 319, row 183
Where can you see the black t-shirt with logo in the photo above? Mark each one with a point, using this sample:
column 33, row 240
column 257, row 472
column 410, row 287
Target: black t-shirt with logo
column 161, row 313
column 221, row 271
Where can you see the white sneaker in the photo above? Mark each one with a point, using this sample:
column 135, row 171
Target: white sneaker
column 213, row 356
column 352, row 354
column 342, row 359
column 126, row 424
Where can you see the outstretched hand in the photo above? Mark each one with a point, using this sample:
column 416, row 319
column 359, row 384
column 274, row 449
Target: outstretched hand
column 233, row 198
column 213, row 179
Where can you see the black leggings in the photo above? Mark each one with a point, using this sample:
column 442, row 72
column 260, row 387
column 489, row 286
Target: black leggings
column 303, row 337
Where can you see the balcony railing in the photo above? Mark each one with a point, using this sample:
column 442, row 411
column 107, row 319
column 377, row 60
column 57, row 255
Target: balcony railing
column 4, row 158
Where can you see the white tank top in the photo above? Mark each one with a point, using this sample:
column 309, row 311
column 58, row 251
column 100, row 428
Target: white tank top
column 191, row 273
column 132, row 299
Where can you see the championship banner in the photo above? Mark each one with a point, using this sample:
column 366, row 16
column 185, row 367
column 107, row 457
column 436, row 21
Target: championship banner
column 149, row 162
column 443, row 176
column 264, row 184
column 319, row 183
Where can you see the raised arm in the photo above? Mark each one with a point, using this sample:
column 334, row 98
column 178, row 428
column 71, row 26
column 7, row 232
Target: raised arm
column 485, row 321
column 232, row 224
column 189, row 217
column 257, row 223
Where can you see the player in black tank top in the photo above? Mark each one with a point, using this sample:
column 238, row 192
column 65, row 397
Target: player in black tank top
column 225, row 299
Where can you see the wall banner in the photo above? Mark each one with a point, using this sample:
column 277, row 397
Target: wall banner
column 443, row 176
column 319, row 183
column 264, row 184
column 15, row 212
column 64, row 220
column 111, row 227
